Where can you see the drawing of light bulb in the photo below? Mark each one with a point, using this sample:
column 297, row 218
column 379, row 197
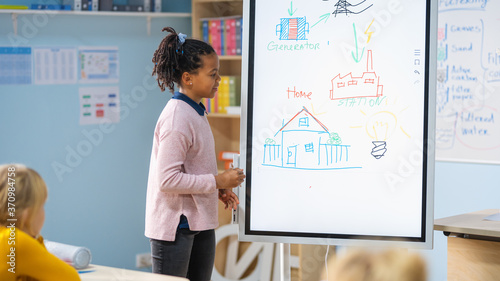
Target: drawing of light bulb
column 380, row 127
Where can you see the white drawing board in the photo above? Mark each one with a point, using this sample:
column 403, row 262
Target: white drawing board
column 336, row 122
column 468, row 82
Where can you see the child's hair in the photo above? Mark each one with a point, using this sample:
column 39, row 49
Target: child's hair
column 25, row 189
column 388, row 265
column 173, row 58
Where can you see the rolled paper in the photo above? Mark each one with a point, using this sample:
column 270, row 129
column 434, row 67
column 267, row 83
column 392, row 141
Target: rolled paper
column 78, row 257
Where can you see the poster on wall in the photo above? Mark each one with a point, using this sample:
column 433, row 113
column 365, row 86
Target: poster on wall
column 98, row 65
column 15, row 65
column 99, row 105
column 55, row 65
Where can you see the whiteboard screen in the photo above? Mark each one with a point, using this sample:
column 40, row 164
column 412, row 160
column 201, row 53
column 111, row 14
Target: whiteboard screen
column 468, row 82
column 335, row 121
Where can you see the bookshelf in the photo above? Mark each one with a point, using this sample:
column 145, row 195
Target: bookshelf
column 147, row 15
column 225, row 127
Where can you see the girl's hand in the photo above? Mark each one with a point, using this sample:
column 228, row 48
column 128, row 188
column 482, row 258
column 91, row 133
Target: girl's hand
column 229, row 199
column 230, row 178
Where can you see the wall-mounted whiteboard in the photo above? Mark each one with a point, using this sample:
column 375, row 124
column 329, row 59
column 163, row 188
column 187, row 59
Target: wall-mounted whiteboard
column 468, row 83
column 336, row 121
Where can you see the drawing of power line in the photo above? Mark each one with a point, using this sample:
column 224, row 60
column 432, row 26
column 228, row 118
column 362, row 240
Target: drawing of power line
column 292, row 29
column 365, row 85
column 305, row 143
column 344, row 7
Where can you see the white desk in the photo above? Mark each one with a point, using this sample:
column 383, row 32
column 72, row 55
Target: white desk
column 105, row 273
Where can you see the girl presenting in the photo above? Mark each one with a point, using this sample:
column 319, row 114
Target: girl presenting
column 183, row 184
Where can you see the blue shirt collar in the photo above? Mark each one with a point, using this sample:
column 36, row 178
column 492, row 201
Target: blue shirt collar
column 199, row 107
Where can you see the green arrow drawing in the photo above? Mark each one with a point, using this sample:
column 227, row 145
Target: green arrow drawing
column 291, row 11
column 357, row 58
column 324, row 17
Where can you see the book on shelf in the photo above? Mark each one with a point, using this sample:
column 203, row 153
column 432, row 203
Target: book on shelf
column 214, row 35
column 224, row 34
column 75, row 5
column 85, row 5
column 105, row 5
column 156, row 5
column 94, row 6
column 239, row 37
column 50, row 7
column 234, row 90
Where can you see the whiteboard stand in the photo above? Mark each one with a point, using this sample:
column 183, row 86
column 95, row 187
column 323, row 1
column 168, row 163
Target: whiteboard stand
column 284, row 262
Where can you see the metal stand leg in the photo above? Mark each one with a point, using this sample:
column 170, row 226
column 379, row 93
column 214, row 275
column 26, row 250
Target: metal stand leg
column 285, row 262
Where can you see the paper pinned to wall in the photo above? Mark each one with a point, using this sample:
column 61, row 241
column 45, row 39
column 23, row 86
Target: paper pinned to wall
column 99, row 105
column 15, row 65
column 55, row 65
column 99, row 64
column 468, row 75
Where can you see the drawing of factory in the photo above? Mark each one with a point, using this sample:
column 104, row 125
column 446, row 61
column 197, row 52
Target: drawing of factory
column 365, row 85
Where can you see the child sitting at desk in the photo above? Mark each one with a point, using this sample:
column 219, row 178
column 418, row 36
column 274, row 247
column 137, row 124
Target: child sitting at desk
column 23, row 255
column 377, row 265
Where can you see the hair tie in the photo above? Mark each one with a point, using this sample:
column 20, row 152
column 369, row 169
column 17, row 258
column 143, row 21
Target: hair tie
column 182, row 38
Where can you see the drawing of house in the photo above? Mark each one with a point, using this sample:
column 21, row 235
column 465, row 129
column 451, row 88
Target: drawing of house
column 362, row 86
column 305, row 143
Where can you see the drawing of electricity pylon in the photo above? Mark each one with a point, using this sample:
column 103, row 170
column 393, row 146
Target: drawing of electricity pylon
column 344, row 7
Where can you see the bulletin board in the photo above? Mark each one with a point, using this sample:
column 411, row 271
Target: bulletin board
column 468, row 82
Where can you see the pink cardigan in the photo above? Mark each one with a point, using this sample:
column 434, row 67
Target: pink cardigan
column 181, row 173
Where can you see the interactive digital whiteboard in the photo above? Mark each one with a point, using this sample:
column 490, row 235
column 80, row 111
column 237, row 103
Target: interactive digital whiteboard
column 338, row 121
column 468, row 82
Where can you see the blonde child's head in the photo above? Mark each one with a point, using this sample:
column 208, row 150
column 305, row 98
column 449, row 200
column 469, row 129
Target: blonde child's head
column 387, row 265
column 26, row 192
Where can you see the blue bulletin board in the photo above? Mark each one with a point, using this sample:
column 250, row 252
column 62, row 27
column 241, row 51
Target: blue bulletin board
column 337, row 122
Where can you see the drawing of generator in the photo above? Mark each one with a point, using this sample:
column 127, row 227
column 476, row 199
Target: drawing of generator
column 292, row 29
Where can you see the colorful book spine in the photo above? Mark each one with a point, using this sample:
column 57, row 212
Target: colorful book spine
column 204, row 30
column 50, row 7
column 222, row 31
column 239, row 30
column 223, row 94
column 215, row 35
column 224, row 34
column 234, row 91
column 230, row 43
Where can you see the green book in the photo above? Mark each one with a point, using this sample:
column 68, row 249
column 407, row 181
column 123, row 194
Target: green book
column 234, row 91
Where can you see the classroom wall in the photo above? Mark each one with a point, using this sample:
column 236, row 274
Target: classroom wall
column 100, row 203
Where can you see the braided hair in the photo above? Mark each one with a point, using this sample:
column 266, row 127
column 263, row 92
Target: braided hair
column 173, row 58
